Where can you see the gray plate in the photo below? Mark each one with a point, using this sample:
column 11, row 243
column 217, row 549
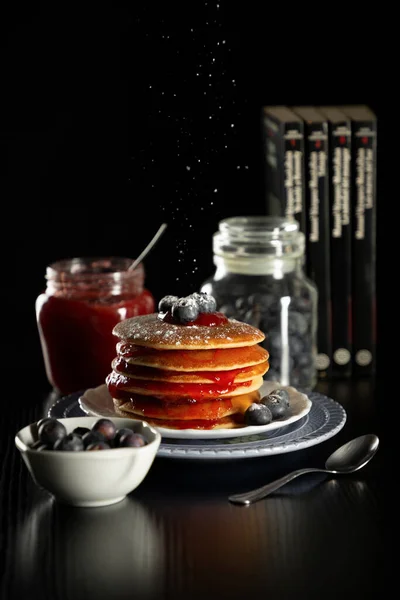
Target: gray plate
column 325, row 419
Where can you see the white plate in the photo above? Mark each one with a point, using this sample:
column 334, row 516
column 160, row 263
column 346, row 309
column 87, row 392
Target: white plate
column 98, row 402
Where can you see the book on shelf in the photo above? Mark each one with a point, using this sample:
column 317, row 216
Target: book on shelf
column 316, row 152
column 364, row 192
column 283, row 140
column 340, row 169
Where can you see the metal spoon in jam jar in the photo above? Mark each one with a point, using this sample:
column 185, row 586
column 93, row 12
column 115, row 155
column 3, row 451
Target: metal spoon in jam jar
column 148, row 247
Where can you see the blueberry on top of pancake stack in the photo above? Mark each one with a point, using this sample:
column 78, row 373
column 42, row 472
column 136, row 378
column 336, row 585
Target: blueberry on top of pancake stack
column 187, row 366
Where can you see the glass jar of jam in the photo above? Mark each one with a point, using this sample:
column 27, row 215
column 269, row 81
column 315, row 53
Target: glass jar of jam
column 259, row 279
column 84, row 299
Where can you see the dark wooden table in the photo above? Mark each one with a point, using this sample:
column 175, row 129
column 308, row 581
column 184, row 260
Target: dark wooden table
column 178, row 537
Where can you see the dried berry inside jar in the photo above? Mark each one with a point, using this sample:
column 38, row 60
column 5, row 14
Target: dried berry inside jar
column 259, row 279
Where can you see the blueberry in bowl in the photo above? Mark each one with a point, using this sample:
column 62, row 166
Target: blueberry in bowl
column 82, row 462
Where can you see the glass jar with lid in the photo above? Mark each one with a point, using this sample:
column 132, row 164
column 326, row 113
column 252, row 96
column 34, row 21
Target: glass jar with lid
column 84, row 299
column 260, row 279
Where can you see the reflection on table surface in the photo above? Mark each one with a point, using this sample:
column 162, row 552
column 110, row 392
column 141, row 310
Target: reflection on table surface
column 178, row 537
column 112, row 549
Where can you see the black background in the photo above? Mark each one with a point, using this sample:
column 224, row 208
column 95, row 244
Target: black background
column 116, row 120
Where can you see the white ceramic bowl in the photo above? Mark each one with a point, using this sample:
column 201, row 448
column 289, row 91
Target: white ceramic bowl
column 89, row 478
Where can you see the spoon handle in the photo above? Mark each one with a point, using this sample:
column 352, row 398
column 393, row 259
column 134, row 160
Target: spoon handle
column 265, row 490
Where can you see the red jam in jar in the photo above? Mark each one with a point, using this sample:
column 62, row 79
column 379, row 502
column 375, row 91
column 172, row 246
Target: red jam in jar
column 83, row 301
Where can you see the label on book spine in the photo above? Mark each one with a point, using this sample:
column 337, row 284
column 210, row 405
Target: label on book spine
column 283, row 138
column 294, row 196
column 341, row 159
column 318, row 234
column 364, row 186
column 317, row 184
column 363, row 271
column 340, row 189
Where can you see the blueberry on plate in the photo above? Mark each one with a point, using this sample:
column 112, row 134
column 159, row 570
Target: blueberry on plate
column 278, row 407
column 167, row 303
column 282, row 394
column 185, row 310
column 50, row 431
column 205, row 302
column 257, row 414
column 70, row 443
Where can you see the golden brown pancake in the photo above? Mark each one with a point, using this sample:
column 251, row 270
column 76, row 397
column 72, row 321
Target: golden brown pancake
column 184, row 390
column 119, row 365
column 152, row 331
column 215, row 409
column 211, row 410
column 229, row 422
column 193, row 360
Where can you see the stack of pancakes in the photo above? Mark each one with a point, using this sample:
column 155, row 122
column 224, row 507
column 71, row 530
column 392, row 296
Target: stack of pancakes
column 186, row 377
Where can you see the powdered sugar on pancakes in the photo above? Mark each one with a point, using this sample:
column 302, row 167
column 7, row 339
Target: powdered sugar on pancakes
column 153, row 332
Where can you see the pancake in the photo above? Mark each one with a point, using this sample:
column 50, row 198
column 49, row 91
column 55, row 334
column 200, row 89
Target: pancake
column 193, row 360
column 152, row 331
column 215, row 409
column 189, row 410
column 183, row 390
column 228, row 422
column 132, row 371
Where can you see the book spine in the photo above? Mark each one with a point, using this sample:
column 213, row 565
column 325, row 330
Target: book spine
column 272, row 140
column 340, row 242
column 318, row 236
column 294, row 173
column 364, row 144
